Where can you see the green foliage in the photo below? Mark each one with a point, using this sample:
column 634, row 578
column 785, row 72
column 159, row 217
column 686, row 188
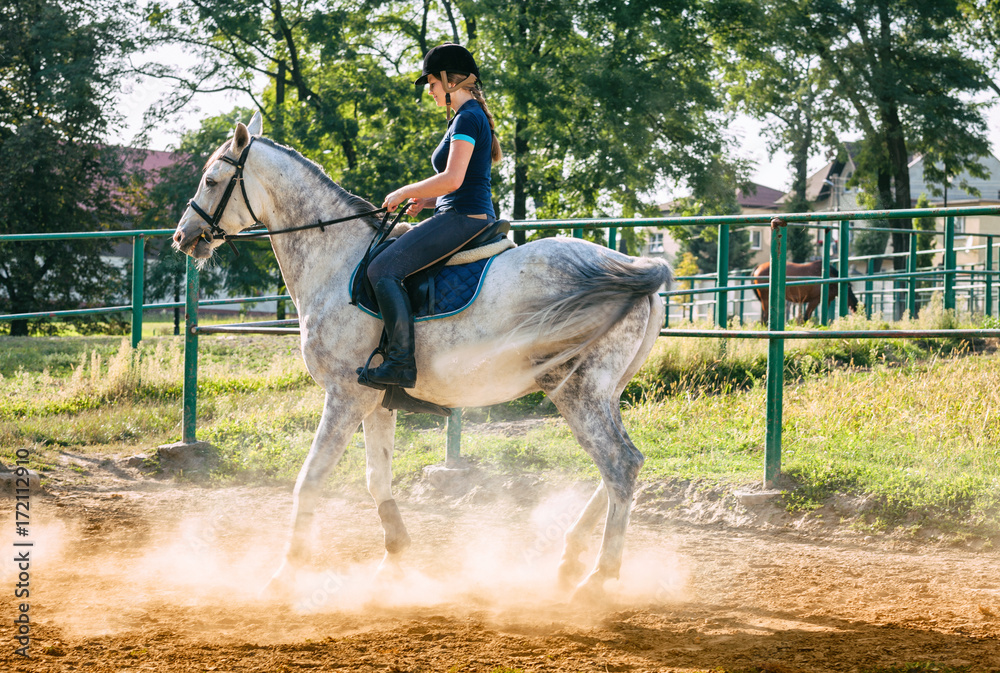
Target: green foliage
column 779, row 85
column 596, row 103
column 887, row 61
column 876, row 69
column 59, row 63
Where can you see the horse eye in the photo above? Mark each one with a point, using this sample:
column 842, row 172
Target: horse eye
column 209, row 182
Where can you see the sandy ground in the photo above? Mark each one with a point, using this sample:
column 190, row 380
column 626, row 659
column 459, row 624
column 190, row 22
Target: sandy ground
column 165, row 577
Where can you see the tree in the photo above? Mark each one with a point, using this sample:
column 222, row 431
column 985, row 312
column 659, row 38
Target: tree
column 718, row 197
column 602, row 101
column 769, row 80
column 60, row 63
column 980, row 33
column 334, row 85
column 900, row 80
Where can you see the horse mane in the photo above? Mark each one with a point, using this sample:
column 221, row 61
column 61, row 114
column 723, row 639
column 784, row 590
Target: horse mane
column 354, row 203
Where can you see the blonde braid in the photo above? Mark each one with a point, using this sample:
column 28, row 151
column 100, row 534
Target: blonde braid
column 495, row 153
column 477, row 93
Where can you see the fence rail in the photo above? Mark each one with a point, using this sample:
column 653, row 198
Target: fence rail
column 775, row 334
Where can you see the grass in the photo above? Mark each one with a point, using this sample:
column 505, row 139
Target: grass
column 914, row 426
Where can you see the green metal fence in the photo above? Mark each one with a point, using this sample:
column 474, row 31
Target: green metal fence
column 775, row 332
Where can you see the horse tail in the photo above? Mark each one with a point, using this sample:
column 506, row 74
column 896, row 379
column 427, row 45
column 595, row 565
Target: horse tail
column 600, row 294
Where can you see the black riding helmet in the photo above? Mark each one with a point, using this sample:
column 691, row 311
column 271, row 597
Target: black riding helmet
column 448, row 58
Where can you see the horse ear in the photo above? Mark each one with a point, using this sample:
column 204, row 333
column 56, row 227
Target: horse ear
column 241, row 137
column 256, row 125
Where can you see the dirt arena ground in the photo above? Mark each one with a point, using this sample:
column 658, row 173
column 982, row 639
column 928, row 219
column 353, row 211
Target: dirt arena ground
column 160, row 576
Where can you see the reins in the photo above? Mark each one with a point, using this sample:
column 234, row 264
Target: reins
column 317, row 225
column 381, row 232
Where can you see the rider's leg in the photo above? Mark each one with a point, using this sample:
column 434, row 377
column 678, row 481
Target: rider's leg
column 428, row 243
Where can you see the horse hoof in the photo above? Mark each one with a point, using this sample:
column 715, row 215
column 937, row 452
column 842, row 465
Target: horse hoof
column 390, row 570
column 569, row 573
column 591, row 592
column 280, row 585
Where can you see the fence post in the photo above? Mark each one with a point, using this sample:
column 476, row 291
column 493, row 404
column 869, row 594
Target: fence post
column 949, row 262
column 453, row 441
column 138, row 278
column 844, row 252
column 869, row 289
column 722, row 268
column 613, row 238
column 988, row 308
column 775, row 356
column 911, row 267
column 824, row 291
column 190, row 390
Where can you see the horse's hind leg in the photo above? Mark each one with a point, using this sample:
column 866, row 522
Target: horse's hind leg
column 810, row 307
column 588, row 400
column 596, row 424
column 571, row 569
column 380, row 430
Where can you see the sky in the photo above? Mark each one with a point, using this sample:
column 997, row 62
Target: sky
column 771, row 171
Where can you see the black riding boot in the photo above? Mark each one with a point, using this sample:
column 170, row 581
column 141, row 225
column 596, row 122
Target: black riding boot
column 399, row 367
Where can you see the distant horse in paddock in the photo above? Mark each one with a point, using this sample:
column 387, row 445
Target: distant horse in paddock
column 561, row 315
column 810, row 295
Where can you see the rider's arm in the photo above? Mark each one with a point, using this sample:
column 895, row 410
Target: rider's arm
column 445, row 182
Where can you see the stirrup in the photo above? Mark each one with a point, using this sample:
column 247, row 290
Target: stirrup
column 363, row 371
column 397, row 398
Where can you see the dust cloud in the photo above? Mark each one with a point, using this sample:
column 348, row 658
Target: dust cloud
column 208, row 558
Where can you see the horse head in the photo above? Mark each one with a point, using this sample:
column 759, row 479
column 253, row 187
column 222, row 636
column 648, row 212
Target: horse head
column 207, row 219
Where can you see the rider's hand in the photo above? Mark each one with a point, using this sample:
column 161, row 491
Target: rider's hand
column 393, row 200
column 416, row 205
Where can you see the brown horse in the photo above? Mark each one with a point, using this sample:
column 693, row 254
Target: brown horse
column 810, row 295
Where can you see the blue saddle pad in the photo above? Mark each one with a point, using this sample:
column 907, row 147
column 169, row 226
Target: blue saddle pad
column 454, row 289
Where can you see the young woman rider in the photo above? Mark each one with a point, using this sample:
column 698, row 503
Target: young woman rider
column 461, row 197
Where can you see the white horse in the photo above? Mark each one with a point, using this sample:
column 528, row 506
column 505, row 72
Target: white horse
column 565, row 316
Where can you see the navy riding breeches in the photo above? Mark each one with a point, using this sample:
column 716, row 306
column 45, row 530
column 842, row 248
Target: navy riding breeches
column 432, row 240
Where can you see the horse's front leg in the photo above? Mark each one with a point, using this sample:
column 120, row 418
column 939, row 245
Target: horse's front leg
column 380, row 437
column 810, row 308
column 341, row 416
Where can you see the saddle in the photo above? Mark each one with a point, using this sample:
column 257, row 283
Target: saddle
column 421, row 289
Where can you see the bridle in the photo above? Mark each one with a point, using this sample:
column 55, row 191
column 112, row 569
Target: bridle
column 213, row 220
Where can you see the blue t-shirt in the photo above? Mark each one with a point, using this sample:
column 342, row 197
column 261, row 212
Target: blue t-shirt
column 474, row 197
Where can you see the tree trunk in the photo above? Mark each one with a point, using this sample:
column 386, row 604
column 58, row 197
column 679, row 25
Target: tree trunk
column 19, row 328
column 900, row 172
column 520, row 177
column 278, row 132
column 451, row 20
column 422, row 38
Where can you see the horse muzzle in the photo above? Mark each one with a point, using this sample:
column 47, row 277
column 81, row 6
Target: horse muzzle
column 194, row 240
